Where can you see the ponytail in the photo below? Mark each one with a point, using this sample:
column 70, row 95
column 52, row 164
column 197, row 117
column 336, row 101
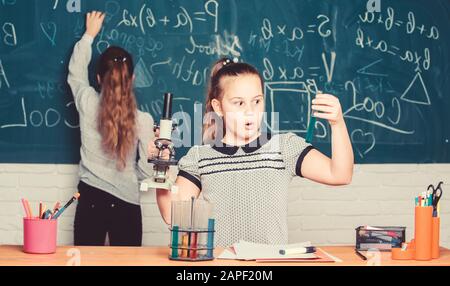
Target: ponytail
column 118, row 108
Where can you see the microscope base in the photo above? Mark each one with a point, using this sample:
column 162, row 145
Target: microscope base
column 149, row 184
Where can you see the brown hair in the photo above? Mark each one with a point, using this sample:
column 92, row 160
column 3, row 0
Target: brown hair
column 117, row 109
column 221, row 69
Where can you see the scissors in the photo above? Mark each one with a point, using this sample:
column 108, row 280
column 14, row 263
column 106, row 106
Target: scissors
column 436, row 196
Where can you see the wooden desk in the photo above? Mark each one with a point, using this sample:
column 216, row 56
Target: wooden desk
column 158, row 256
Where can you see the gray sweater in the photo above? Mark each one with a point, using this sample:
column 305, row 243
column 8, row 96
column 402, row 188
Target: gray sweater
column 97, row 168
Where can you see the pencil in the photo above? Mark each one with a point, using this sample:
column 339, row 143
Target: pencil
column 360, row 255
column 40, row 209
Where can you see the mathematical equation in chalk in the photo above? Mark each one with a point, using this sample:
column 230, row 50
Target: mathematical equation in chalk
column 174, row 45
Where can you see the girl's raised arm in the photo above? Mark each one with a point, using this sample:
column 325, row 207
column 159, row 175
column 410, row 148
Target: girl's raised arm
column 78, row 78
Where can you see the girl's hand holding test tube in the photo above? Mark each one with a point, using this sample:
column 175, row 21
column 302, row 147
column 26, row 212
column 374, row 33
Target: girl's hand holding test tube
column 327, row 106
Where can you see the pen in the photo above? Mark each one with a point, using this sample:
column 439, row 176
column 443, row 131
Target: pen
column 360, row 255
column 60, row 211
column 298, row 250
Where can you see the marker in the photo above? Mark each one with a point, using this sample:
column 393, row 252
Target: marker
column 74, row 198
column 298, row 250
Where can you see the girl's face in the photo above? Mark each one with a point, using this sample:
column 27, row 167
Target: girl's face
column 242, row 108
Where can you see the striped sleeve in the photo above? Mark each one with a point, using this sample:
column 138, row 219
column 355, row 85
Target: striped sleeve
column 294, row 151
column 188, row 167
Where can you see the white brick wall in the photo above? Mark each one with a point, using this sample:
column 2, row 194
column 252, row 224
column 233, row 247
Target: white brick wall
column 379, row 195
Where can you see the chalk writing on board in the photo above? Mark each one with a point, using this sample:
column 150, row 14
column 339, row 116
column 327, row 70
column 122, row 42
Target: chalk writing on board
column 222, row 46
column 359, row 136
column 145, row 18
column 368, row 69
column 418, row 83
column 49, row 117
column 409, row 25
column 49, row 30
column 3, row 77
column 300, row 92
column 384, row 66
column 377, row 108
column 421, row 59
column 143, row 78
column 71, row 5
column 8, row 2
column 9, row 34
column 49, row 89
column 141, row 45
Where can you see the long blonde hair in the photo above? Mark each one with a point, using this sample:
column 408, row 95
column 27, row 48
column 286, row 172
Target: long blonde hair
column 118, row 108
column 221, row 69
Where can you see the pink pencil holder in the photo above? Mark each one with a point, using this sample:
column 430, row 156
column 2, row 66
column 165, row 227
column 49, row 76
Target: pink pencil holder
column 39, row 235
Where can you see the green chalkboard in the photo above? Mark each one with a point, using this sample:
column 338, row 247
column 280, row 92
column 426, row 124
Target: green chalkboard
column 390, row 69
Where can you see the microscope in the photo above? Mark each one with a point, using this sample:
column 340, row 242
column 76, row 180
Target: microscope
column 160, row 179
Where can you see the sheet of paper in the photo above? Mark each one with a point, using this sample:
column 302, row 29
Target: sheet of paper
column 227, row 254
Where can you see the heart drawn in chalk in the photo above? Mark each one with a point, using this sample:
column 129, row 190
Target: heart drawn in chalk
column 358, row 136
column 49, row 30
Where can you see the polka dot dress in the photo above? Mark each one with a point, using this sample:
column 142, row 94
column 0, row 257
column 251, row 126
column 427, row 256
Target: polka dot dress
column 248, row 185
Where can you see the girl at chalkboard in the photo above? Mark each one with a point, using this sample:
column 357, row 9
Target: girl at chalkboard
column 114, row 140
column 246, row 173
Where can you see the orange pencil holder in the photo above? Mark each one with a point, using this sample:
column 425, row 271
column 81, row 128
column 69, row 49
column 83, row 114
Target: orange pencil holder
column 435, row 226
column 425, row 245
column 423, row 232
